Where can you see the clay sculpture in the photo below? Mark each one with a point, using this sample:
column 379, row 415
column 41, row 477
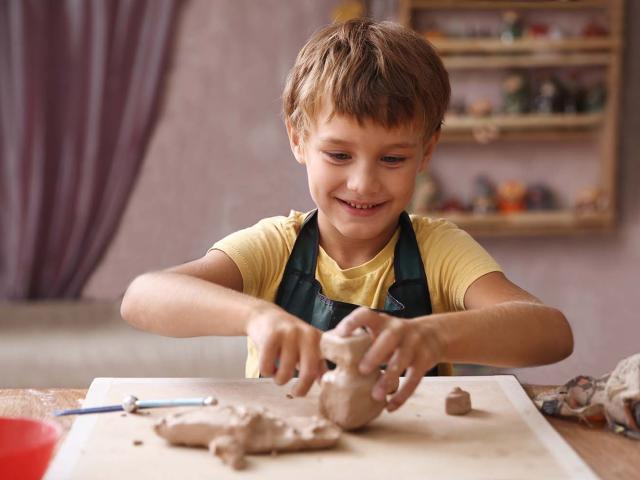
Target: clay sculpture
column 345, row 395
column 458, row 402
column 231, row 431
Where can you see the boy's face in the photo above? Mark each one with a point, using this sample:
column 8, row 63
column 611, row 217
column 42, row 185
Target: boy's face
column 361, row 176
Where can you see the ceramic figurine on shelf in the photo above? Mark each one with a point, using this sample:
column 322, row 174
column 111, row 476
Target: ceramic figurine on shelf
column 575, row 95
column 596, row 98
column 551, row 96
column 516, row 93
column 480, row 108
column 594, row 29
column 540, row 197
column 511, row 197
column 484, row 196
column 512, row 26
column 591, row 200
column 457, row 106
column 452, row 205
column 538, row 30
column 426, row 196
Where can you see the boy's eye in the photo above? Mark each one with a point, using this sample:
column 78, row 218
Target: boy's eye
column 393, row 160
column 338, row 156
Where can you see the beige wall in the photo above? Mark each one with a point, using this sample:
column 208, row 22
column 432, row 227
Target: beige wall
column 219, row 161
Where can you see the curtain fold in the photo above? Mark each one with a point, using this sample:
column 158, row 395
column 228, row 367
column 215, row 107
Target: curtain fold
column 79, row 89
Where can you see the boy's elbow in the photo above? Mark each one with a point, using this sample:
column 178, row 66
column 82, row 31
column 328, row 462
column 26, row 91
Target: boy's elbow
column 130, row 308
column 565, row 335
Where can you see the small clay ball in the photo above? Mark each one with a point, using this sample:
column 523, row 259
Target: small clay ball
column 458, row 402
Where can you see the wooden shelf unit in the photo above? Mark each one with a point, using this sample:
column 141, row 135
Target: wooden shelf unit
column 531, row 223
column 486, row 53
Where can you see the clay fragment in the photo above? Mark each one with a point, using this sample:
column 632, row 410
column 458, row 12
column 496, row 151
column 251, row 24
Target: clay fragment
column 345, row 395
column 230, row 450
column 458, row 402
column 231, row 431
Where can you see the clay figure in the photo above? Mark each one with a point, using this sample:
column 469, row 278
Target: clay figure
column 513, row 26
column 511, row 197
column 484, row 199
column 231, row 431
column 458, row 402
column 345, row 395
column 516, row 93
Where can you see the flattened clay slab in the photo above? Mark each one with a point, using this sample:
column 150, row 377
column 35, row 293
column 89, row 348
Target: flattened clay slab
column 230, row 431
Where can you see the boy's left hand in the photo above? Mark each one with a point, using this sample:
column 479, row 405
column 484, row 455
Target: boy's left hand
column 403, row 344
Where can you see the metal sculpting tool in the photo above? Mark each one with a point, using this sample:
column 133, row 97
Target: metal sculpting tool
column 131, row 404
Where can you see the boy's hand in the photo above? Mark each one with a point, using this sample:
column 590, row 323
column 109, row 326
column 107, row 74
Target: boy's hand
column 403, row 344
column 285, row 338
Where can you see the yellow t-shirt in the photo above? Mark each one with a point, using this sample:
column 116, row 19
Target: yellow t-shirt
column 452, row 261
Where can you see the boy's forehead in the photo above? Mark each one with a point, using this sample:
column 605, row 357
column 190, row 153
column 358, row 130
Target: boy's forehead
column 326, row 123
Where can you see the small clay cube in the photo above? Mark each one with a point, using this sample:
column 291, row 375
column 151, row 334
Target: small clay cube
column 458, row 402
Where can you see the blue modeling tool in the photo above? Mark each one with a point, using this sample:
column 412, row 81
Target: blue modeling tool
column 131, row 404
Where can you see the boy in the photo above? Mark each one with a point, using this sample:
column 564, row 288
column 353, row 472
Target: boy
column 363, row 107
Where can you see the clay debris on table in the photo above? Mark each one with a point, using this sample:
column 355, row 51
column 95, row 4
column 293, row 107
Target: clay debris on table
column 458, row 402
column 230, row 432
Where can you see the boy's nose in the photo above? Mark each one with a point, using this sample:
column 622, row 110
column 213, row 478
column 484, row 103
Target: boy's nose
column 364, row 181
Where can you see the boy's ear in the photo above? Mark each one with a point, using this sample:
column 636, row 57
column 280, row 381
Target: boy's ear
column 295, row 142
column 429, row 148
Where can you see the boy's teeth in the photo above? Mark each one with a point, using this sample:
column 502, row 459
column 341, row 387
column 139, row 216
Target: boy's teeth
column 361, row 206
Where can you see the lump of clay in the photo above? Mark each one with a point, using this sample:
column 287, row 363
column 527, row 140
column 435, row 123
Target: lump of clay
column 345, row 395
column 231, row 431
column 458, row 402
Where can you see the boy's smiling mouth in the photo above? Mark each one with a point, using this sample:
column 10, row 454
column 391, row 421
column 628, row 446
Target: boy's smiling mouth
column 360, row 208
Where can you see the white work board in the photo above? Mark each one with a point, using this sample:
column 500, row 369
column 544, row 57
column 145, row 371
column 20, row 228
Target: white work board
column 504, row 437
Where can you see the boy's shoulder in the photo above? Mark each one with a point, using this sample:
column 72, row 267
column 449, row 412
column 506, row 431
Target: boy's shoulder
column 441, row 234
column 427, row 226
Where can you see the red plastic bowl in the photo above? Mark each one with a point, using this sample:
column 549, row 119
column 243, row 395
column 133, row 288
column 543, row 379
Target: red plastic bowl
column 26, row 446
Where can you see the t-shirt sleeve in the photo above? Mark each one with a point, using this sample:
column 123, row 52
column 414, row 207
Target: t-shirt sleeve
column 260, row 253
column 453, row 261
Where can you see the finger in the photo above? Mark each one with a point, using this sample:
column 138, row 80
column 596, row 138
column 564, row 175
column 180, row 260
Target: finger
column 269, row 355
column 390, row 379
column 360, row 317
column 288, row 360
column 380, row 350
column 310, row 367
column 412, row 380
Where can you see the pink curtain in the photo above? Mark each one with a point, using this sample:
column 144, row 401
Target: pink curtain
column 79, row 88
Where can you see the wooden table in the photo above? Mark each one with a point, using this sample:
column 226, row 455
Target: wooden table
column 610, row 456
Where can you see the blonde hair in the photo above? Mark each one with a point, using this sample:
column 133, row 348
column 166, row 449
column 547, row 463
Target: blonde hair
column 369, row 70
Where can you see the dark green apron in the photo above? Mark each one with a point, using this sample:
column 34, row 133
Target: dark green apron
column 301, row 294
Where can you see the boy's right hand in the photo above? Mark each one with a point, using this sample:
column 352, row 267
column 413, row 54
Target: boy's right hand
column 283, row 338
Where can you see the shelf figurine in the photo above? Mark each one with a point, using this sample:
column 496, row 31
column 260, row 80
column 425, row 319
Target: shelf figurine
column 480, row 108
column 426, row 196
column 596, row 98
column 484, row 196
column 516, row 94
column 590, row 200
column 540, row 197
column 511, row 197
column 512, row 26
column 551, row 96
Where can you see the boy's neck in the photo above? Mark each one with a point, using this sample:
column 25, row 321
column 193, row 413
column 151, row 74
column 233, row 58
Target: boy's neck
column 349, row 252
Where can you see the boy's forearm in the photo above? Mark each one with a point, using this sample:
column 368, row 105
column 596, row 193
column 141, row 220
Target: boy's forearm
column 510, row 334
column 179, row 305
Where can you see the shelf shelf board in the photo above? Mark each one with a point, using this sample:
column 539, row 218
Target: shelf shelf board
column 531, row 223
column 530, row 60
column 534, row 121
column 448, row 46
column 519, row 136
column 508, row 5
